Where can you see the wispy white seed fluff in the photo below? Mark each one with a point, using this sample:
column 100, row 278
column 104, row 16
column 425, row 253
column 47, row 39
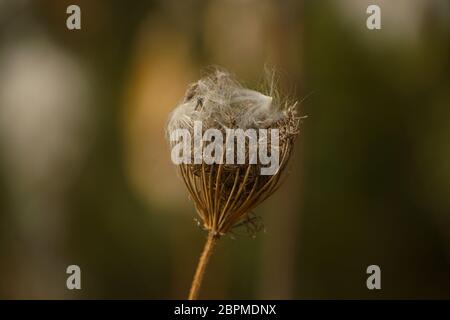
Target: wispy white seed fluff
column 219, row 101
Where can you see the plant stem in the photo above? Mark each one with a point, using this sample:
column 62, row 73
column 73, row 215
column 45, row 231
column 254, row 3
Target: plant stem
column 201, row 267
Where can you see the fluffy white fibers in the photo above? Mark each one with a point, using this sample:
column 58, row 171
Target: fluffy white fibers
column 220, row 102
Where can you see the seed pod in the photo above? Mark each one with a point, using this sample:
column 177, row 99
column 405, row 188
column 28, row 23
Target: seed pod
column 226, row 190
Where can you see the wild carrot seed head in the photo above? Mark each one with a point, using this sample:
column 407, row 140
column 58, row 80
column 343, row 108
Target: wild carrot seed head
column 224, row 194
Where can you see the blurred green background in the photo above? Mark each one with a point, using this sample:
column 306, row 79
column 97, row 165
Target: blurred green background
column 86, row 176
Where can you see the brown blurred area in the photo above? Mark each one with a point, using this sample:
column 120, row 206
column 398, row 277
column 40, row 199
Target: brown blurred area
column 85, row 170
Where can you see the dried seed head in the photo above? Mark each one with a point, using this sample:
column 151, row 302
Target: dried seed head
column 225, row 193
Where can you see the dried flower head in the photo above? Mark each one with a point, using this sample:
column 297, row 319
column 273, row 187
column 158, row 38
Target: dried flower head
column 225, row 193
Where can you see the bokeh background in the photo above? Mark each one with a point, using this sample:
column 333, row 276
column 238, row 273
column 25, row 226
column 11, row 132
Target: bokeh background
column 86, row 176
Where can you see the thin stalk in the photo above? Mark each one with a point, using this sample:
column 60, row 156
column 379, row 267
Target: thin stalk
column 201, row 267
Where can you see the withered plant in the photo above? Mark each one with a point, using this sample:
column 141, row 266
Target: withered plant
column 225, row 194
